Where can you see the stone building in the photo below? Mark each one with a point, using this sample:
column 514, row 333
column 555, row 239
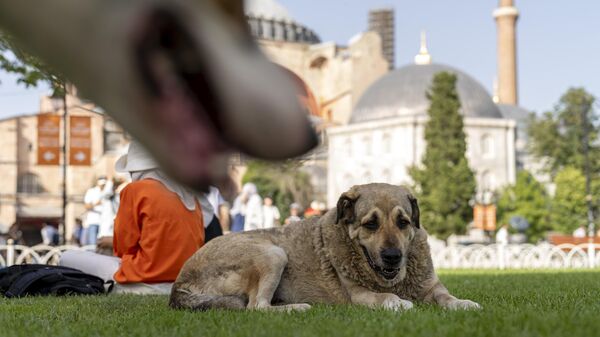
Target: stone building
column 337, row 75
column 385, row 135
column 31, row 193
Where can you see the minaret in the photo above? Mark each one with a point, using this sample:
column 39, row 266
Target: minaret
column 423, row 56
column 506, row 20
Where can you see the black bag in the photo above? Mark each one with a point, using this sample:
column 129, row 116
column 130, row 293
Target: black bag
column 40, row 279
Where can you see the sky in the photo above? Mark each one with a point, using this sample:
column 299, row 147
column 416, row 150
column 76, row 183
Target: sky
column 558, row 42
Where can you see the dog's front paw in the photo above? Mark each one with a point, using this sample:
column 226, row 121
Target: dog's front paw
column 463, row 305
column 395, row 303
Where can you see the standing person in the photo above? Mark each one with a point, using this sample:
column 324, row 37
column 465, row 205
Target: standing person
column 50, row 235
column 237, row 213
column 294, row 214
column 107, row 210
column 579, row 232
column 211, row 203
column 93, row 199
column 77, row 231
column 253, row 217
column 110, row 206
column 502, row 235
column 271, row 214
column 158, row 227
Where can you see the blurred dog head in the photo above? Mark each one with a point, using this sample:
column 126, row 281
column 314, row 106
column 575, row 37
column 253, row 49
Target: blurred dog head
column 183, row 77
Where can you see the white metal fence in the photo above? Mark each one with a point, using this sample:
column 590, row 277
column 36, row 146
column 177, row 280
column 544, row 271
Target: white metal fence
column 11, row 254
column 492, row 256
column 516, row 256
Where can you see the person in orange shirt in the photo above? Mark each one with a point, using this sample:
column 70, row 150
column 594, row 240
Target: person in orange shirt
column 158, row 226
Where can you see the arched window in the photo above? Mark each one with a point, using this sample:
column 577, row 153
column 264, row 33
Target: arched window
column 29, row 183
column 318, row 63
column 487, row 146
column 487, row 181
column 367, row 145
column 348, row 147
column 386, row 143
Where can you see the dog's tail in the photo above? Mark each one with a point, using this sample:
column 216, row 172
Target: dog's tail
column 185, row 299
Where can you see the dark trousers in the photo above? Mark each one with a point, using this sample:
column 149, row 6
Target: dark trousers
column 213, row 230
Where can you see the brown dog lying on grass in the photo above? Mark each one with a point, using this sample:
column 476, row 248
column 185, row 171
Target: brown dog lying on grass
column 370, row 250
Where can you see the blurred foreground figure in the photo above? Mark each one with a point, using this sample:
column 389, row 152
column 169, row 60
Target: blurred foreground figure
column 183, row 77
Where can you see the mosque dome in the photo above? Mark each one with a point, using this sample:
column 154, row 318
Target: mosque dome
column 267, row 9
column 270, row 20
column 402, row 93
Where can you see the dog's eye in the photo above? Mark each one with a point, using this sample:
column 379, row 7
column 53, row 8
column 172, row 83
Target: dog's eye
column 371, row 225
column 402, row 223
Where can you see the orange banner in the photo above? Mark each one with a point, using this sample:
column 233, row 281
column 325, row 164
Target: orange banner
column 80, row 141
column 484, row 217
column 48, row 139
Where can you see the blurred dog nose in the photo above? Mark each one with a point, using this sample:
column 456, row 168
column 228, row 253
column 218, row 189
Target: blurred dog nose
column 391, row 256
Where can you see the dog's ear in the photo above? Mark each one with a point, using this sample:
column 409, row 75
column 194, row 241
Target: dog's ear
column 415, row 214
column 345, row 207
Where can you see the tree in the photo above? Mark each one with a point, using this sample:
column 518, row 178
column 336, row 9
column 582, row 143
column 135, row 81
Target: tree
column 557, row 136
column 284, row 182
column 30, row 70
column 528, row 199
column 568, row 210
column 444, row 182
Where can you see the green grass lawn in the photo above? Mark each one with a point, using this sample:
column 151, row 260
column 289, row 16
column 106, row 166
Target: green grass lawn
column 516, row 303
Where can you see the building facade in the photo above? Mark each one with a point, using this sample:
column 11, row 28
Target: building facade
column 385, row 136
column 31, row 193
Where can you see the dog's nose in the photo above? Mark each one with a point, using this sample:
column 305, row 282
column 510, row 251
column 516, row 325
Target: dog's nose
column 391, row 256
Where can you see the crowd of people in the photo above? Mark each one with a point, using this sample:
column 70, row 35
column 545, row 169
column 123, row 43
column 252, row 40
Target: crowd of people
column 145, row 228
column 250, row 211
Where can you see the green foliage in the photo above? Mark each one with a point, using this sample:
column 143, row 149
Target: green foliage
column 569, row 209
column 30, row 70
column 527, row 198
column 284, row 182
column 444, row 183
column 557, row 136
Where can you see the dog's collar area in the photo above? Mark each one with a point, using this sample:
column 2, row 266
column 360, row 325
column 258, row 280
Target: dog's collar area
column 386, row 273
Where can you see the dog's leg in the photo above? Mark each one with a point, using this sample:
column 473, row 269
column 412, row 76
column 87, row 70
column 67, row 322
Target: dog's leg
column 438, row 294
column 363, row 296
column 270, row 269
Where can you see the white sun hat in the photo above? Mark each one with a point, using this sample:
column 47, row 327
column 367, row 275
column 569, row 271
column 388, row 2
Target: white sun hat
column 136, row 159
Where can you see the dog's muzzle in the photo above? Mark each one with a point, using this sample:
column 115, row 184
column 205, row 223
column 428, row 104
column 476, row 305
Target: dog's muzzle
column 387, row 273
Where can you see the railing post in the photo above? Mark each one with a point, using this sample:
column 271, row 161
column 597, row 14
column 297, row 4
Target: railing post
column 591, row 255
column 501, row 258
column 454, row 251
column 10, row 252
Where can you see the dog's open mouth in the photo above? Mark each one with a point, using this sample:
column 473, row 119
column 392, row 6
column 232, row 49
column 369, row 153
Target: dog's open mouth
column 386, row 273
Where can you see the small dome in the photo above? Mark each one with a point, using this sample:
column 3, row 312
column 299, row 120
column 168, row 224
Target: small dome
column 269, row 20
column 267, row 9
column 402, row 93
column 515, row 112
column 520, row 115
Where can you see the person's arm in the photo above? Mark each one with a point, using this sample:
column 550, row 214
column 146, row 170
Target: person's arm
column 108, row 189
column 87, row 200
column 276, row 214
column 224, row 218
